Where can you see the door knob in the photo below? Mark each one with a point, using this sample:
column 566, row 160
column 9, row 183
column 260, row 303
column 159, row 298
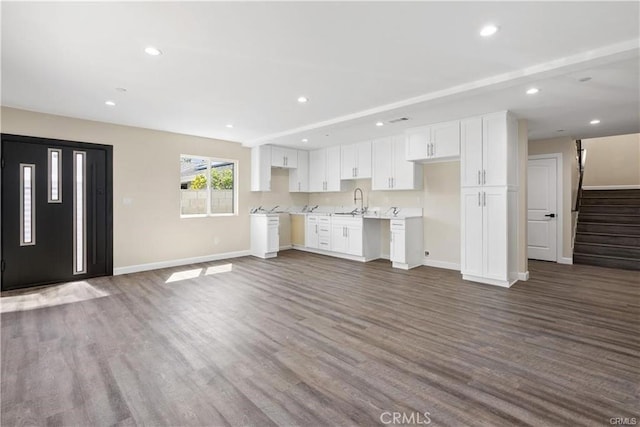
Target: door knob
column 551, row 215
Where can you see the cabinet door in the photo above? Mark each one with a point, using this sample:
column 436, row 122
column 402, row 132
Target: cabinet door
column 445, row 139
column 317, row 165
column 471, row 225
column 354, row 240
column 382, row 161
column 261, row 168
column 494, row 153
column 277, row 157
column 397, row 251
column 332, row 174
column 348, row 161
column 404, row 170
column 417, row 141
column 471, row 152
column 290, row 157
column 311, row 233
column 339, row 238
column 299, row 177
column 495, row 233
column 273, row 244
column 363, row 167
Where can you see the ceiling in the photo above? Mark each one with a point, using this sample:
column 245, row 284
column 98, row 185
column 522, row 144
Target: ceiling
column 246, row 63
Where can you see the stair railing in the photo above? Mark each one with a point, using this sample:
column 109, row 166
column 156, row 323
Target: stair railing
column 581, row 157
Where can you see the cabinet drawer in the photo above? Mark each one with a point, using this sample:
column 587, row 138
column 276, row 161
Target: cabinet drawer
column 312, row 218
column 324, row 244
column 397, row 224
column 325, row 219
column 324, row 230
column 273, row 221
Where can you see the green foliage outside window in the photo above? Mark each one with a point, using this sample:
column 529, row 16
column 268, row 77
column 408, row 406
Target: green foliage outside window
column 220, row 180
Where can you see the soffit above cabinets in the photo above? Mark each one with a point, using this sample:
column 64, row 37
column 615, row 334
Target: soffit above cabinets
column 234, row 71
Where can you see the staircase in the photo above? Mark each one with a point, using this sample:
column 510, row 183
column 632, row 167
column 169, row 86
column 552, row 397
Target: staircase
column 608, row 231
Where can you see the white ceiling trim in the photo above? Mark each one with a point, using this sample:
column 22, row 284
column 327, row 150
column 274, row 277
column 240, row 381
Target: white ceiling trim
column 607, row 54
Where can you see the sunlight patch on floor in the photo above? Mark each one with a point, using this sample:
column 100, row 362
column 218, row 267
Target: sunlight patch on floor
column 50, row 296
column 197, row 272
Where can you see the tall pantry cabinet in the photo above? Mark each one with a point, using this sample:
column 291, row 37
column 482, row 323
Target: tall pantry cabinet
column 489, row 205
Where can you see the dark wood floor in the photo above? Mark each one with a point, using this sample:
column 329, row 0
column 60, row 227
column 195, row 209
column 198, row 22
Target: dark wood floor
column 310, row 340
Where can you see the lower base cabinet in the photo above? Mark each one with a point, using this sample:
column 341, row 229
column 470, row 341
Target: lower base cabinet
column 406, row 242
column 265, row 235
column 346, row 236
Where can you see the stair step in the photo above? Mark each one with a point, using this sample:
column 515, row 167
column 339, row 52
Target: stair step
column 608, row 239
column 609, row 218
column 632, row 193
column 606, row 261
column 610, row 209
column 588, row 201
column 607, row 250
column 606, row 228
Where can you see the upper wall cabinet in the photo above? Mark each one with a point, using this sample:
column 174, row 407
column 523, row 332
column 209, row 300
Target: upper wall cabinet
column 284, row 157
column 355, row 161
column 489, row 150
column 261, row 168
column 391, row 171
column 439, row 142
column 324, row 170
column 299, row 177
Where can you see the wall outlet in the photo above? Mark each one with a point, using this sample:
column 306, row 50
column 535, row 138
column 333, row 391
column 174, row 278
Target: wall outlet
column 426, row 253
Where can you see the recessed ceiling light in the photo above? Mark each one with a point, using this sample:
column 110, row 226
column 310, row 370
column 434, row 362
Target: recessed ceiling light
column 305, row 140
column 229, row 125
column 594, row 122
column 584, row 79
column 121, row 89
column 153, row 51
column 532, row 91
column 303, row 99
column 110, row 103
column 488, row 30
column 379, row 124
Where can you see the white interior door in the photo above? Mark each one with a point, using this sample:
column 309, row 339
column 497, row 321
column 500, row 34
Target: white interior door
column 542, row 220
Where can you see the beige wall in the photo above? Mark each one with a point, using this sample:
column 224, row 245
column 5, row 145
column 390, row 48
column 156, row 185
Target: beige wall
column 613, row 160
column 146, row 171
column 567, row 147
column 440, row 200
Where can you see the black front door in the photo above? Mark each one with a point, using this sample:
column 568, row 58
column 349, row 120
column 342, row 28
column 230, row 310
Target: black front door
column 56, row 211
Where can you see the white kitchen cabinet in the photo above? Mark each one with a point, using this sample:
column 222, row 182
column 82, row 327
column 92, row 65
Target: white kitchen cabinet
column 488, row 235
column 284, row 157
column 406, row 242
column 324, row 170
column 438, row 142
column 311, row 232
column 324, row 232
column 299, row 177
column 489, row 151
column 265, row 237
column 355, row 162
column 391, row 171
column 346, row 235
column 261, row 168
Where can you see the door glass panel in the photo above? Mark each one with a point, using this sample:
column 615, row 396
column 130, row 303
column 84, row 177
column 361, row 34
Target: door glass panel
column 79, row 213
column 54, row 178
column 27, row 204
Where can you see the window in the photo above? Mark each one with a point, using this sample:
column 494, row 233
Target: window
column 207, row 186
column 27, row 204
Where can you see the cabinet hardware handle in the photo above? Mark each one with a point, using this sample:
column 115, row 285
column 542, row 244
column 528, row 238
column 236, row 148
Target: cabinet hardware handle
column 391, row 236
column 484, row 176
column 479, row 179
column 356, row 172
column 393, row 183
column 484, row 199
column 433, row 149
column 479, row 202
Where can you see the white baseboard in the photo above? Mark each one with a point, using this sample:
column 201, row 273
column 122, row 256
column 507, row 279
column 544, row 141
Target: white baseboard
column 286, row 247
column 565, row 260
column 523, row 276
column 441, row 264
column 177, row 262
column 611, row 187
column 501, row 283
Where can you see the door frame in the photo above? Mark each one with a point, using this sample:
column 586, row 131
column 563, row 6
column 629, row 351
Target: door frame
column 108, row 150
column 559, row 202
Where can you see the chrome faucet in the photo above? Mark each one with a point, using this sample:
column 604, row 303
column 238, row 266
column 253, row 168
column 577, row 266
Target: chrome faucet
column 355, row 198
column 312, row 209
column 274, row 208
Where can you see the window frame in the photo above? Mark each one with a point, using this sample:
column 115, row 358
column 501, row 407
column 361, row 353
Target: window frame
column 209, row 160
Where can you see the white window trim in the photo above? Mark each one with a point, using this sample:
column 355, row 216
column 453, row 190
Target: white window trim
column 235, row 187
